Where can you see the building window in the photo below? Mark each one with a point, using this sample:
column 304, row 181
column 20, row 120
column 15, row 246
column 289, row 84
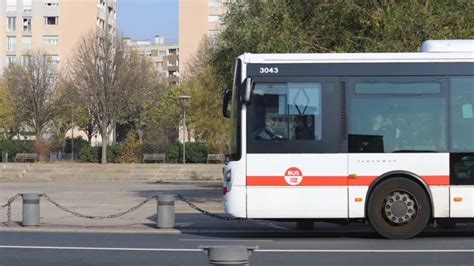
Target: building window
column 173, row 63
column 27, row 24
column 162, row 53
column 25, row 60
column 159, row 64
column 27, row 6
column 11, row 24
column 213, row 33
column 54, row 59
column 11, row 59
column 11, row 5
column 173, row 51
column 163, row 74
column 101, row 23
column 51, row 20
column 11, row 43
column 215, row 3
column 50, row 40
column 213, row 19
column 51, row 3
column 26, row 44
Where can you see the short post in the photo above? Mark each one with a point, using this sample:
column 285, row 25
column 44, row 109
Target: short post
column 5, row 157
column 31, row 209
column 165, row 211
column 228, row 255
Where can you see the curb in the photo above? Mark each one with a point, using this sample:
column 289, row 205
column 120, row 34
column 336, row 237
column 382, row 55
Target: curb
column 43, row 229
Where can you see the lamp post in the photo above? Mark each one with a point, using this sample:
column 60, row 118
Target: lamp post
column 184, row 99
column 72, row 134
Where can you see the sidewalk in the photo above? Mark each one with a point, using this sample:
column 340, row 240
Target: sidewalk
column 103, row 197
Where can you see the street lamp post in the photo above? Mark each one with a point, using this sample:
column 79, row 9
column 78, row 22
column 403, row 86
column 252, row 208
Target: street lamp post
column 184, row 99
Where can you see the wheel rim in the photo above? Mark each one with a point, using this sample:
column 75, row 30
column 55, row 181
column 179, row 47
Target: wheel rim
column 399, row 208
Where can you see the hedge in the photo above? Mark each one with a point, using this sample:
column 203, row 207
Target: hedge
column 196, row 152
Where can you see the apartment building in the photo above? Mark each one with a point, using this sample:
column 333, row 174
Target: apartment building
column 197, row 19
column 54, row 26
column 164, row 56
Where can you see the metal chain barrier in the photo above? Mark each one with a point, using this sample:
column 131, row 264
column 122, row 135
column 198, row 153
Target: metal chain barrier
column 207, row 213
column 112, row 216
column 9, row 207
column 116, row 215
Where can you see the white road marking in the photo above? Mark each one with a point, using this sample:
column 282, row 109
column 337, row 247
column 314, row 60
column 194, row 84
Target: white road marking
column 366, row 250
column 103, row 248
column 223, row 240
column 258, row 250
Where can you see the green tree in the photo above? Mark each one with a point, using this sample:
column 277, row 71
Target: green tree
column 145, row 93
column 206, row 120
column 131, row 149
column 33, row 89
column 279, row 26
column 7, row 111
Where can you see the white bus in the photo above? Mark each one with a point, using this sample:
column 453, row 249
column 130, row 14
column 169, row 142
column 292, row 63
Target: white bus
column 386, row 138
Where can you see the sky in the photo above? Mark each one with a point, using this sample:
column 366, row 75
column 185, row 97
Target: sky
column 143, row 19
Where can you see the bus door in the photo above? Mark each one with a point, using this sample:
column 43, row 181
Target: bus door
column 294, row 169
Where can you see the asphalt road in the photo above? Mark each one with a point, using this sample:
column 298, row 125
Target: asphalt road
column 353, row 245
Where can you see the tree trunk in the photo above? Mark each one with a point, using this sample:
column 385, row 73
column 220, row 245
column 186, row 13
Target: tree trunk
column 114, row 132
column 140, row 135
column 103, row 158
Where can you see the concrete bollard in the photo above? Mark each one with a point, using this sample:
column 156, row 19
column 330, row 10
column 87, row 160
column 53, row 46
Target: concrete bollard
column 165, row 211
column 228, row 255
column 31, row 209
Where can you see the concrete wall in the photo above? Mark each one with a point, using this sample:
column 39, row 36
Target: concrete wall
column 167, row 172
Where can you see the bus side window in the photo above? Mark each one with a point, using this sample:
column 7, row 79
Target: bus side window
column 462, row 102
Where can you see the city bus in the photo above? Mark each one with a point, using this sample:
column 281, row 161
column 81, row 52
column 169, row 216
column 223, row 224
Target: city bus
column 382, row 138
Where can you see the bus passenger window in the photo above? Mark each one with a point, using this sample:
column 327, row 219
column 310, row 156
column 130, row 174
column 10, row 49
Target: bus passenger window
column 462, row 102
column 398, row 117
column 286, row 111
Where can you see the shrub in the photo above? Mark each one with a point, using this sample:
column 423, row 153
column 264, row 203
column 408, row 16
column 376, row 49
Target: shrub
column 173, row 153
column 16, row 146
column 79, row 143
column 41, row 149
column 131, row 150
column 114, row 153
column 89, row 154
column 196, row 152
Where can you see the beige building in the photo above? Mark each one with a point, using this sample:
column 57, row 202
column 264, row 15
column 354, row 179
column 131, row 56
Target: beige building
column 197, row 19
column 164, row 56
column 53, row 26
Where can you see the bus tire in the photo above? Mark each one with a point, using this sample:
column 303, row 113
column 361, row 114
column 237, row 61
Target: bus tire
column 398, row 208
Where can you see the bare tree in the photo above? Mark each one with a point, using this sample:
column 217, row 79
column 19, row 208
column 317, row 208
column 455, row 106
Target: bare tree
column 33, row 88
column 99, row 74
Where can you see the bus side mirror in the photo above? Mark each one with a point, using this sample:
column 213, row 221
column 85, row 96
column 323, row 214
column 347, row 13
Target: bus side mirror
column 226, row 103
column 248, row 90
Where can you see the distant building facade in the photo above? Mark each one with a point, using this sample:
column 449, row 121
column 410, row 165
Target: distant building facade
column 54, row 26
column 164, row 56
column 197, row 19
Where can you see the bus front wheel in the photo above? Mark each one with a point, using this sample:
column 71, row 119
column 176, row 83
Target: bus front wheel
column 398, row 208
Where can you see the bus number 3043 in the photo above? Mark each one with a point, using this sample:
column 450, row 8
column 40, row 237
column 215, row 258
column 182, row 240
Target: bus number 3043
column 266, row 70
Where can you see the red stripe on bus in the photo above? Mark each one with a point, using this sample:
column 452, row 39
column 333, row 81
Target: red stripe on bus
column 442, row 180
column 436, row 180
column 307, row 181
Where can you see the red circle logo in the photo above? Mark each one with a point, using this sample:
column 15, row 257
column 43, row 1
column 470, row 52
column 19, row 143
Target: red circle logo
column 293, row 176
